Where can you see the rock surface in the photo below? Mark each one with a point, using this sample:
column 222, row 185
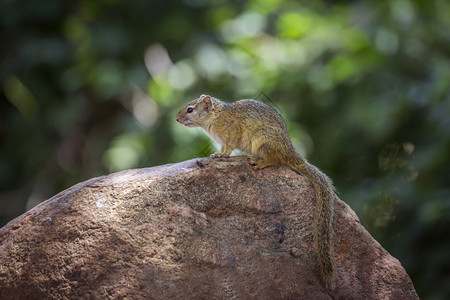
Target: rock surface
column 200, row 229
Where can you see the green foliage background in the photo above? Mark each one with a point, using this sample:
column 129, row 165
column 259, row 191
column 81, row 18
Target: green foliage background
column 92, row 87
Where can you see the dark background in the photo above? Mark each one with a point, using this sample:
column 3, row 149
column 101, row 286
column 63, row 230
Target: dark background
column 92, row 87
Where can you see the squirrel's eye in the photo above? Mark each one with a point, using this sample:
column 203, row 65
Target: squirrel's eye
column 190, row 109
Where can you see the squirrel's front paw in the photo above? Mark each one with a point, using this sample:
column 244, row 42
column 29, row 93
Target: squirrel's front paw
column 219, row 155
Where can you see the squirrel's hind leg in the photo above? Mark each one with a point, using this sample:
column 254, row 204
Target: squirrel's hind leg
column 264, row 156
column 260, row 163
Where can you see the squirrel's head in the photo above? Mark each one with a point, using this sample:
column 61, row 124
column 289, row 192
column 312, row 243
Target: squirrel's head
column 197, row 112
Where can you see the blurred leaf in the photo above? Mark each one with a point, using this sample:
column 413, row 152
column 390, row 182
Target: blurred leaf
column 21, row 98
column 295, row 24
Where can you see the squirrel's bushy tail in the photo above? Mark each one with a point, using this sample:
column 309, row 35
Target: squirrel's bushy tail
column 323, row 228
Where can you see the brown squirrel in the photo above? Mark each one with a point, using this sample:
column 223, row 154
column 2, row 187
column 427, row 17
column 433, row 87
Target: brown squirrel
column 256, row 128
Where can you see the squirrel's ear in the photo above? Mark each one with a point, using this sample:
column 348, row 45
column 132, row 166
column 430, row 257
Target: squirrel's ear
column 207, row 101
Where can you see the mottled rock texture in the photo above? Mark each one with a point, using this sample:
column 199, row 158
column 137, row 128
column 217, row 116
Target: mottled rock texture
column 200, row 229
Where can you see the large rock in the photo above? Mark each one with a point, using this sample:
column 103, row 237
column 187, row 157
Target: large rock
column 201, row 229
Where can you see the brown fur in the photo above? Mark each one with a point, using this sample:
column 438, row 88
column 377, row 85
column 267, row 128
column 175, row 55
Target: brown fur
column 256, row 128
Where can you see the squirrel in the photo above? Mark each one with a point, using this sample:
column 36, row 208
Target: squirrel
column 259, row 130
